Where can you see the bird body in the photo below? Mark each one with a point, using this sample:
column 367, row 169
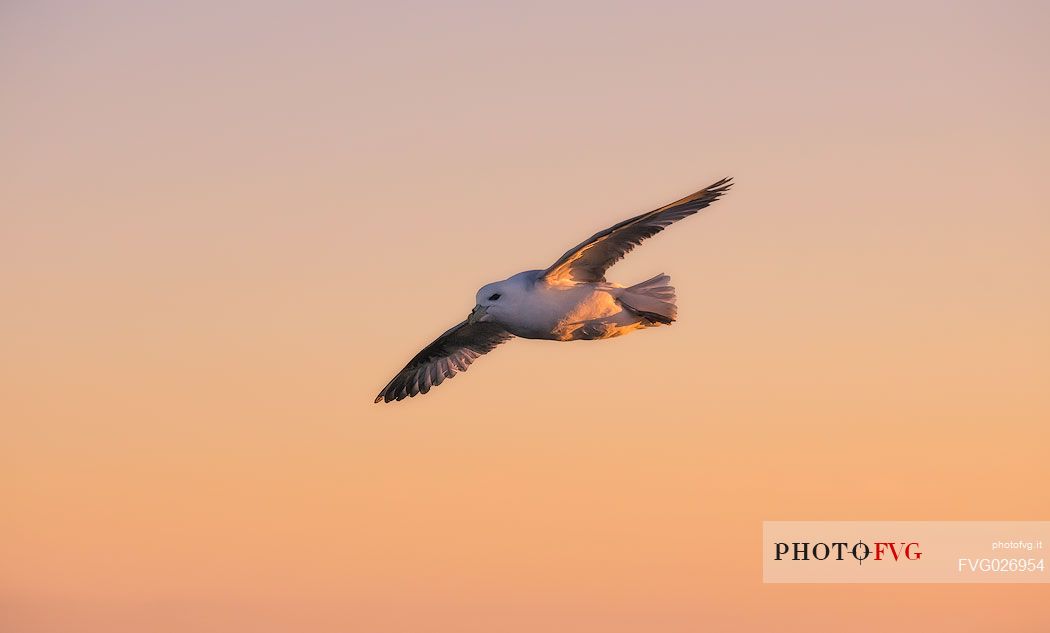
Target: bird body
column 569, row 301
column 536, row 308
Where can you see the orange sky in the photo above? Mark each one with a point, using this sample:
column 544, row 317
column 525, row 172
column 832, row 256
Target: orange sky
column 223, row 229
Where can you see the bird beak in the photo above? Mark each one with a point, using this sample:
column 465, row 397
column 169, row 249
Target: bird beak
column 477, row 315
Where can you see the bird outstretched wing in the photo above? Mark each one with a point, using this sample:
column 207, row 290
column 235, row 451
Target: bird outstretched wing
column 450, row 353
column 588, row 261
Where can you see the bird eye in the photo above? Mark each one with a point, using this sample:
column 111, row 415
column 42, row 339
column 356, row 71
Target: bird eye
column 494, row 297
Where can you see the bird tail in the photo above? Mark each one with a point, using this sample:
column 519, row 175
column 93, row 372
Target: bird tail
column 653, row 300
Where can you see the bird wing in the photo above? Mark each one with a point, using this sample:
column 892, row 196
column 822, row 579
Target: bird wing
column 452, row 352
column 588, row 261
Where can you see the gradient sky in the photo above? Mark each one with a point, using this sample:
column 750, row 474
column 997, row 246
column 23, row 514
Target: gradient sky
column 224, row 226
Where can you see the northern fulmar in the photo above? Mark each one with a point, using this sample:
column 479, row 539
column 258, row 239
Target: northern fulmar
column 569, row 301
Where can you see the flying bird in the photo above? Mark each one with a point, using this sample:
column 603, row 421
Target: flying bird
column 569, row 301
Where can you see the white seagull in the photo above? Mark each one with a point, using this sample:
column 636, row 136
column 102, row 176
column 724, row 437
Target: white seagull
column 569, row 301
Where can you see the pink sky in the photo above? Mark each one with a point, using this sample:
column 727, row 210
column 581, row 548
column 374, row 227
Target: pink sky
column 224, row 228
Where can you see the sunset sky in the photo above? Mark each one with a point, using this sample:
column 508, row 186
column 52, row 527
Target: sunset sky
column 224, row 226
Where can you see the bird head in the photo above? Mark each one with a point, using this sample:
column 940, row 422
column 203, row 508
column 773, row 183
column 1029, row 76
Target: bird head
column 499, row 301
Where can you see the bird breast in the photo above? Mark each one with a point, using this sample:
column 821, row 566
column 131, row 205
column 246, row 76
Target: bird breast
column 566, row 312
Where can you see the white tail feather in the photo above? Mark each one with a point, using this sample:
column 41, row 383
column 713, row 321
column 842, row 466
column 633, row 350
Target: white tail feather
column 653, row 299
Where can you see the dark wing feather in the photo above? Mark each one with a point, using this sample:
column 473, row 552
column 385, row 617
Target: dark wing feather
column 452, row 352
column 588, row 261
